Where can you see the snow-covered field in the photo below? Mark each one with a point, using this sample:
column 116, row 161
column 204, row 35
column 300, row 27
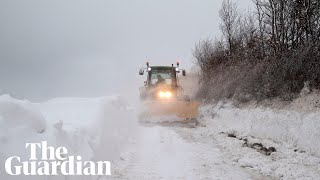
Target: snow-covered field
column 230, row 143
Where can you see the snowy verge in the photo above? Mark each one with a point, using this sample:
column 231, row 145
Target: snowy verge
column 97, row 129
column 19, row 114
column 301, row 129
column 293, row 131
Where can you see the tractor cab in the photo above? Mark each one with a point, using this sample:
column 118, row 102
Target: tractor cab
column 162, row 76
column 162, row 81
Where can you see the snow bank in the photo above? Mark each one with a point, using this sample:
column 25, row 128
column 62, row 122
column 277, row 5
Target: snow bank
column 20, row 122
column 95, row 128
column 301, row 129
column 91, row 127
column 20, row 114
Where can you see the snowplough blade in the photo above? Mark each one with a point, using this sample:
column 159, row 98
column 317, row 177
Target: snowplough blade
column 180, row 109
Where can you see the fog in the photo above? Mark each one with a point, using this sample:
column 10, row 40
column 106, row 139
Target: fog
column 94, row 48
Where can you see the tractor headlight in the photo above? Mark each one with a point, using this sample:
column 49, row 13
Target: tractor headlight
column 165, row 94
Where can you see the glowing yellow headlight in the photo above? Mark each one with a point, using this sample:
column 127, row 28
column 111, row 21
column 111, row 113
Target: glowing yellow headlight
column 164, row 94
column 161, row 94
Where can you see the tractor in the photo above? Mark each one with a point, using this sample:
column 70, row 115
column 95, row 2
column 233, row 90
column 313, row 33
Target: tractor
column 162, row 95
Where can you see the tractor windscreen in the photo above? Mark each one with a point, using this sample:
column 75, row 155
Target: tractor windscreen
column 161, row 77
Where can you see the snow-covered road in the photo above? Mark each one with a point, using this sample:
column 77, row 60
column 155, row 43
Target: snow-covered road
column 229, row 143
column 161, row 153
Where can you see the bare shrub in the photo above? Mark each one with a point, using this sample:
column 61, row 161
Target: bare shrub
column 264, row 54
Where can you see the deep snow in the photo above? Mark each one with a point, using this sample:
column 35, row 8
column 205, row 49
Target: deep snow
column 106, row 128
column 296, row 155
column 299, row 128
column 96, row 129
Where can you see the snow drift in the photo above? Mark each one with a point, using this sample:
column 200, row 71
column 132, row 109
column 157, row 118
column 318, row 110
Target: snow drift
column 19, row 114
column 95, row 128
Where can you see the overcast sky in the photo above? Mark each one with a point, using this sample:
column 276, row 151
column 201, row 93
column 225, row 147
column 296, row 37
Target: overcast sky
column 54, row 48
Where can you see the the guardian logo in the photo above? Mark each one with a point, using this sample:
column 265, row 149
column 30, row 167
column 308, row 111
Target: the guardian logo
column 54, row 162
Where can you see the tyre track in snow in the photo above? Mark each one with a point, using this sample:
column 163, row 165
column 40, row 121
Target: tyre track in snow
column 285, row 163
column 161, row 153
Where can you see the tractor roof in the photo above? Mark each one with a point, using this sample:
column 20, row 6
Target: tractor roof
column 161, row 67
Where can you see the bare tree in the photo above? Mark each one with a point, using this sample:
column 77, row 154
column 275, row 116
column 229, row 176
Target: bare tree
column 229, row 15
column 269, row 53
